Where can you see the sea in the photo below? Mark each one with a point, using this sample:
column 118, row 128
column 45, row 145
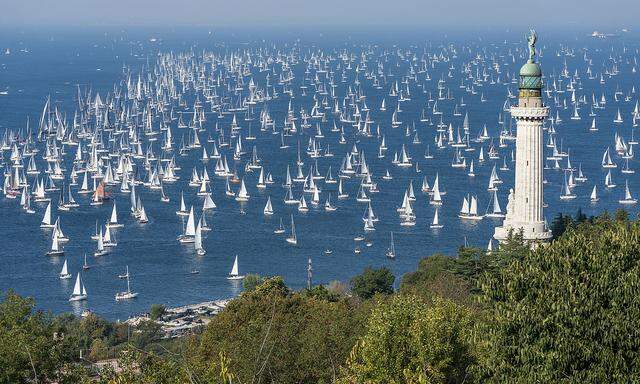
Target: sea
column 53, row 63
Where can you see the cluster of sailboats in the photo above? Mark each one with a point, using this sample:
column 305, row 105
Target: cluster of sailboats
column 299, row 134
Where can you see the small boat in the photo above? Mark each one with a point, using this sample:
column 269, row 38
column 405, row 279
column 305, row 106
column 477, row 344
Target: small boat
column 497, row 210
column 128, row 294
column 628, row 199
column 268, row 208
column 190, row 230
column 242, row 193
column 328, row 206
column 391, row 252
column 567, row 194
column 113, row 221
column 198, row 240
column 436, row 222
column 234, row 275
column 56, row 249
column 328, row 251
column 594, row 195
column 79, row 291
column 64, row 273
column 469, row 210
column 85, row 266
column 100, row 249
column 280, row 229
column 46, row 220
column 183, row 208
column 292, row 239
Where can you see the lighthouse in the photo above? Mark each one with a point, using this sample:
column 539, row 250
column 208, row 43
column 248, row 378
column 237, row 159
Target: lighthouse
column 525, row 205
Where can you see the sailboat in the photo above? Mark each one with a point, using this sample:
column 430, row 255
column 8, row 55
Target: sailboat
column 183, row 208
column 100, row 250
column 391, row 252
column 567, row 194
column 341, row 194
column 242, row 193
column 234, row 275
column 594, row 195
column 79, row 291
column 618, row 118
column 628, row 199
column 56, row 249
column 143, row 219
column 268, row 208
column 469, row 209
column 608, row 181
column 302, row 206
column 113, row 221
column 292, row 239
column 280, row 230
column 198, row 240
column 99, row 195
column 190, row 230
column 436, row 222
column 85, row 265
column 64, row 273
column 606, row 160
column 328, row 206
column 46, row 220
column 128, row 294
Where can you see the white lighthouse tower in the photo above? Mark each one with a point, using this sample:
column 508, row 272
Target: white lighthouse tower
column 524, row 209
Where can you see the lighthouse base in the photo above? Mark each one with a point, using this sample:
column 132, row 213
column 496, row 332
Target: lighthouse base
column 531, row 232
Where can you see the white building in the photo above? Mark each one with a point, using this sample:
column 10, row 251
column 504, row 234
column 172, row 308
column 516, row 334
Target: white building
column 524, row 209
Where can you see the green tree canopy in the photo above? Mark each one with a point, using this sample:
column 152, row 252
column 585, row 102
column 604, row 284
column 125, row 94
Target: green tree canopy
column 568, row 312
column 28, row 351
column 373, row 281
column 273, row 335
column 409, row 341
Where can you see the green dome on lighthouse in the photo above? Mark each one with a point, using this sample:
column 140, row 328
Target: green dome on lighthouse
column 531, row 69
column 530, row 72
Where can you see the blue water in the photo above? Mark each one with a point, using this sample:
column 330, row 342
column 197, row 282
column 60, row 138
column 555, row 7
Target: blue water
column 54, row 63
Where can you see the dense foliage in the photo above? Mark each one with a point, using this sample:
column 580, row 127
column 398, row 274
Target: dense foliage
column 568, row 312
column 410, row 341
column 373, row 281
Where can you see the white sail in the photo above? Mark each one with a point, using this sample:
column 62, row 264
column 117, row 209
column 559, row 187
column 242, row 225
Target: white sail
column 234, row 269
column 234, row 274
column 268, row 208
column 594, row 194
column 64, row 273
column 46, row 220
column 114, row 214
column 198, row 239
column 77, row 288
column 190, row 229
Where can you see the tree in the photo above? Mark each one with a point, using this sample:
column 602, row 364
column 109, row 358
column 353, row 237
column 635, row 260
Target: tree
column 436, row 276
column 409, row 341
column 157, row 310
column 560, row 224
column 251, row 281
column 568, row 312
column 373, row 281
column 28, row 351
column 273, row 335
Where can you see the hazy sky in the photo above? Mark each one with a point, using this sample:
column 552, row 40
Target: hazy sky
column 428, row 14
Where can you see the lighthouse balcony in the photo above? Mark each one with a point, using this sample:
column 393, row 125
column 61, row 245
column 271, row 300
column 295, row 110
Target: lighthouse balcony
column 530, row 112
